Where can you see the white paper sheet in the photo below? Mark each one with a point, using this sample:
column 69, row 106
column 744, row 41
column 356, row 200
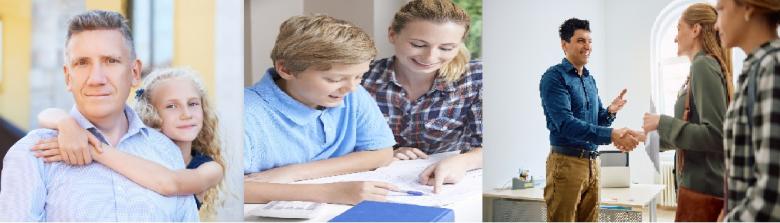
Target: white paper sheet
column 404, row 174
column 652, row 144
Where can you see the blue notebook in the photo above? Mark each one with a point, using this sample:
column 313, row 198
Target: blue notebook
column 394, row 212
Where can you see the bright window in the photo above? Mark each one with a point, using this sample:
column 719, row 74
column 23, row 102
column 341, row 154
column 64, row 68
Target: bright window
column 152, row 24
column 668, row 71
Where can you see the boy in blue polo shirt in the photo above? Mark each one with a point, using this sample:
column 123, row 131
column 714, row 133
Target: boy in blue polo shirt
column 308, row 117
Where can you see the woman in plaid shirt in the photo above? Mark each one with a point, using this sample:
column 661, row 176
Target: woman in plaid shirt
column 752, row 127
column 430, row 91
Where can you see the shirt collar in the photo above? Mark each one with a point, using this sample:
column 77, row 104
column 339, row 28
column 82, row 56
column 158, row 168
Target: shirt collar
column 700, row 53
column 570, row 69
column 135, row 125
column 283, row 103
column 759, row 52
column 389, row 77
column 443, row 85
column 387, row 72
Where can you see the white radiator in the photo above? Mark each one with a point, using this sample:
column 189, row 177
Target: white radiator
column 668, row 197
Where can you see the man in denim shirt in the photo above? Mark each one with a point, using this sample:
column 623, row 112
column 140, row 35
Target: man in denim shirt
column 578, row 122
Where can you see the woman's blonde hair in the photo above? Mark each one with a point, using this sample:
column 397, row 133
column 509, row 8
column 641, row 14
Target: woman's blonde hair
column 321, row 41
column 207, row 142
column 705, row 15
column 438, row 11
column 769, row 8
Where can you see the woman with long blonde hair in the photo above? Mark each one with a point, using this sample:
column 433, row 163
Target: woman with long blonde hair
column 430, row 90
column 696, row 130
column 173, row 101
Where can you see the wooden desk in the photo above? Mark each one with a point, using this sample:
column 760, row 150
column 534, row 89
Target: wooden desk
column 637, row 197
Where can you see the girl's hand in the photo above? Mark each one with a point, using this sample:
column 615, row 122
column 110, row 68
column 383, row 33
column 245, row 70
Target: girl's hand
column 450, row 170
column 50, row 151
column 75, row 142
column 409, row 153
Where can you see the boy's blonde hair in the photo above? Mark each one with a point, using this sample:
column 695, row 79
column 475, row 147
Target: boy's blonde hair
column 207, row 142
column 320, row 41
column 438, row 11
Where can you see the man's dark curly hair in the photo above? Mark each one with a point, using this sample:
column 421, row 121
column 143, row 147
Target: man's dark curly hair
column 569, row 26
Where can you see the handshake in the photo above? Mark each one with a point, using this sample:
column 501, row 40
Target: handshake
column 626, row 139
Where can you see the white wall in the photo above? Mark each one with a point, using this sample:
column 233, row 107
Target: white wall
column 520, row 41
column 384, row 11
column 359, row 12
column 629, row 24
column 229, row 70
column 265, row 18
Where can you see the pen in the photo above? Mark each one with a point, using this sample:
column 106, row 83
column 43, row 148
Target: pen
column 414, row 193
column 409, row 193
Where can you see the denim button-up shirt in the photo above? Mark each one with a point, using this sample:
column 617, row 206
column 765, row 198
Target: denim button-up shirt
column 575, row 116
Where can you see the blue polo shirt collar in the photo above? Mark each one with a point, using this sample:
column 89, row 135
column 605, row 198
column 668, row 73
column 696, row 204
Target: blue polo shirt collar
column 283, row 103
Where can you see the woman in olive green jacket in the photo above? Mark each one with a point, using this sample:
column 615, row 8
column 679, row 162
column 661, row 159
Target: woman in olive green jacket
column 696, row 130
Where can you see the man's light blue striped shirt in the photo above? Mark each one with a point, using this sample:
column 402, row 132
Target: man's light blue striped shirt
column 32, row 190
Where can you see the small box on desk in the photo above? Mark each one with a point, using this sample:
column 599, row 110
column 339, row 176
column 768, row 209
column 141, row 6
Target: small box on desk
column 518, row 183
column 373, row 211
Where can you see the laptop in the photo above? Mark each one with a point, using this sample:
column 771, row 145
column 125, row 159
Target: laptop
column 615, row 172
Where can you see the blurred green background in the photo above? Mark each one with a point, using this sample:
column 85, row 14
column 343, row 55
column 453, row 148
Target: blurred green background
column 474, row 41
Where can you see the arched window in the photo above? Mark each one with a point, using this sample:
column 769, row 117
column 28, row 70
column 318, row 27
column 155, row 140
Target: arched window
column 668, row 71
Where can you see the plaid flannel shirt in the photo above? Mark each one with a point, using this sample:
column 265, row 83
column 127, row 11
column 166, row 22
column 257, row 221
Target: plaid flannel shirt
column 753, row 155
column 446, row 118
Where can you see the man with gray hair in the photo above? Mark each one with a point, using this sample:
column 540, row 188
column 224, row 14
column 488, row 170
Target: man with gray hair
column 100, row 69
